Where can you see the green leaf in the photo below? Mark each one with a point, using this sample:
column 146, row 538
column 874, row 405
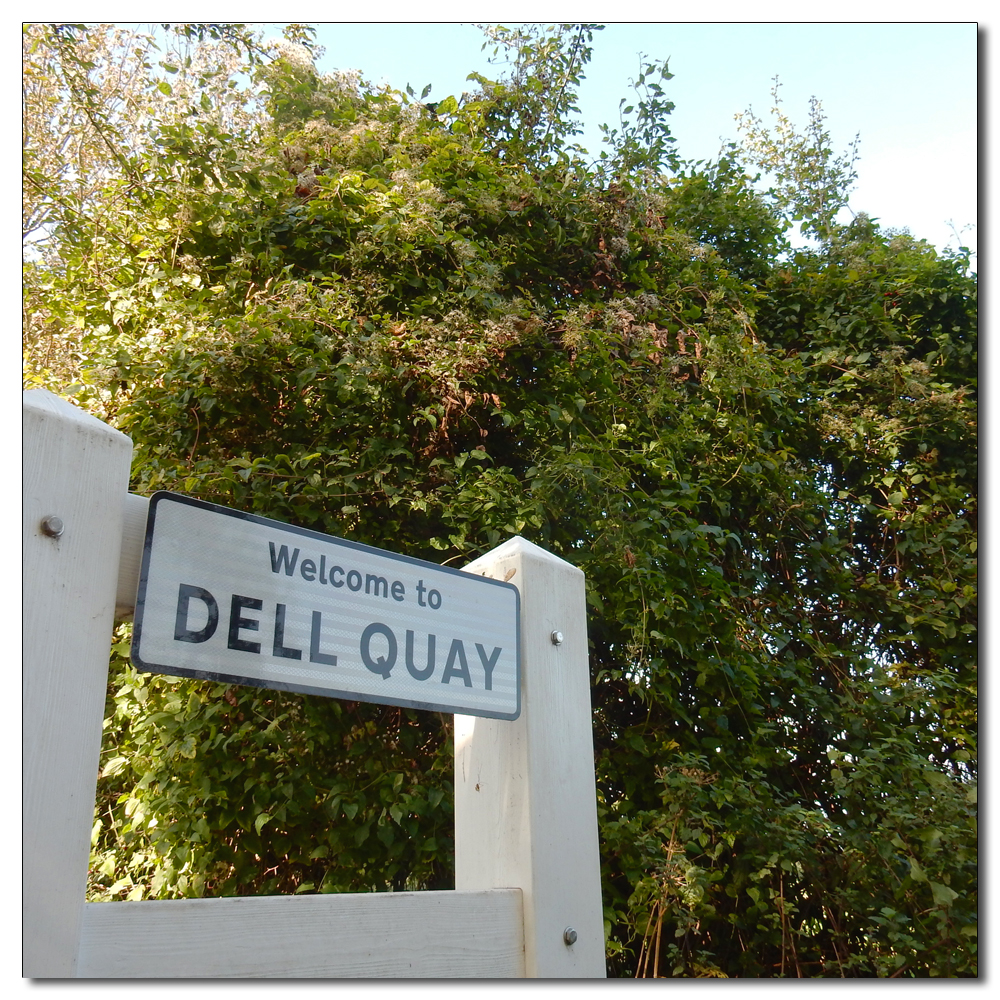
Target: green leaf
column 943, row 895
column 114, row 766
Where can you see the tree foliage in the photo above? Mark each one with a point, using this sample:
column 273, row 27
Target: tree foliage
column 812, row 184
column 428, row 328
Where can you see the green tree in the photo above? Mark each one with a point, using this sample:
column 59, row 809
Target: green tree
column 812, row 184
column 426, row 330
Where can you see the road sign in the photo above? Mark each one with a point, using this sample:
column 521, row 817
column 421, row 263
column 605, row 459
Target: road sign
column 229, row 596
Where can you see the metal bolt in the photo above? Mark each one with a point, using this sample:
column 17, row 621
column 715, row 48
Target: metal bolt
column 557, row 638
column 569, row 936
column 52, row 526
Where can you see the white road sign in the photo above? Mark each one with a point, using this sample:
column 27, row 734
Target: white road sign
column 229, row 596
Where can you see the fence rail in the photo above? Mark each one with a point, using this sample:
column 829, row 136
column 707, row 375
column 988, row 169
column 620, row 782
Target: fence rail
column 351, row 935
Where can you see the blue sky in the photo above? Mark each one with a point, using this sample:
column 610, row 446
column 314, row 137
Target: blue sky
column 910, row 89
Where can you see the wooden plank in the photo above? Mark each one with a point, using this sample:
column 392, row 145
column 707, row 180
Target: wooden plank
column 133, row 536
column 525, row 795
column 76, row 469
column 351, row 935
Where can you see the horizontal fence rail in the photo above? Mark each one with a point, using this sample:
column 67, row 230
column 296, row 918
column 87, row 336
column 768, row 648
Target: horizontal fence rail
column 409, row 935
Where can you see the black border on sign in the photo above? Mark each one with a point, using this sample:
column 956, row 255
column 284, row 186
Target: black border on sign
column 160, row 668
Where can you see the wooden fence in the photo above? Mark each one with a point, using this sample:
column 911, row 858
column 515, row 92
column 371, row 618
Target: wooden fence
column 527, row 900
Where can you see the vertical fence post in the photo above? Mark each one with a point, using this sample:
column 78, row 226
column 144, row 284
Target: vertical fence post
column 76, row 471
column 525, row 796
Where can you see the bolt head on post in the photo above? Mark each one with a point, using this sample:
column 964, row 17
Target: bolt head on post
column 52, row 526
column 570, row 936
column 557, row 638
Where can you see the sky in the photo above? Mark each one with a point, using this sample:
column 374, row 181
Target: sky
column 909, row 89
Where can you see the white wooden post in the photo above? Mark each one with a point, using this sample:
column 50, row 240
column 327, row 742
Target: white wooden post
column 525, row 796
column 76, row 470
